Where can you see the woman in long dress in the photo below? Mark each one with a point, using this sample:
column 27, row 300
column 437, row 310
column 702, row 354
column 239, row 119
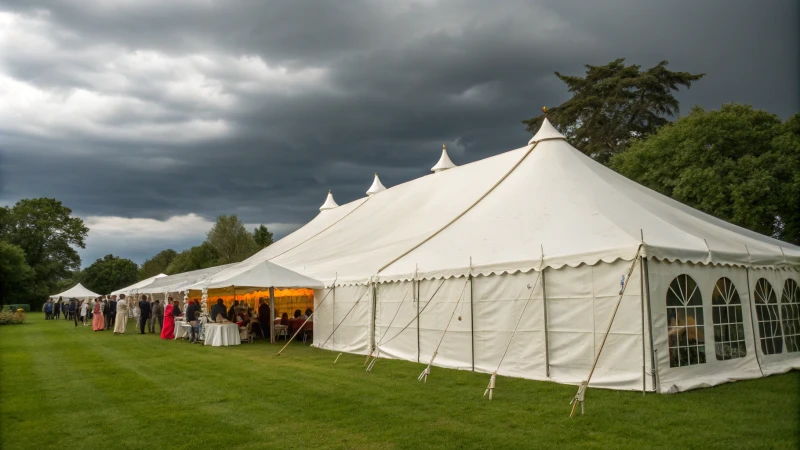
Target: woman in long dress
column 121, row 324
column 98, row 324
column 168, row 331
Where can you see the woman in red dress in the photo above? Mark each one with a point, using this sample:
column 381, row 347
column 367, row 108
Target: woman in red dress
column 168, row 331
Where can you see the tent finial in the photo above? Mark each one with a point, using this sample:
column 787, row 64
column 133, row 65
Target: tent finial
column 546, row 132
column 376, row 187
column 330, row 203
column 444, row 161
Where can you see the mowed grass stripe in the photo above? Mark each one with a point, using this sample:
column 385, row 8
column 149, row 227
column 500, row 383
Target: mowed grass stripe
column 67, row 387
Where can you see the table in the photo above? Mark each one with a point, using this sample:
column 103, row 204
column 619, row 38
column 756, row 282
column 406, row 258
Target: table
column 222, row 334
column 182, row 329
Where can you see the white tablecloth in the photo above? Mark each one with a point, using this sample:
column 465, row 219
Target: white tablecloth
column 220, row 334
column 181, row 331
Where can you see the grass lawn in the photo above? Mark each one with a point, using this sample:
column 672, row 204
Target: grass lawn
column 67, row 387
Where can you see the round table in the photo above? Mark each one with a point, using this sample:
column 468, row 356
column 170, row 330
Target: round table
column 222, row 334
column 181, row 331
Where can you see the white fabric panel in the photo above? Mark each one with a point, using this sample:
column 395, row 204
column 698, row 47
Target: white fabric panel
column 351, row 321
column 396, row 325
column 713, row 371
column 324, row 300
column 77, row 291
column 784, row 361
column 455, row 350
column 178, row 282
column 580, row 302
column 499, row 301
column 262, row 274
column 140, row 284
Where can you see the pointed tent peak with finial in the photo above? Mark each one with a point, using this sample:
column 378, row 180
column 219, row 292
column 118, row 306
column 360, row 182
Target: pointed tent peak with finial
column 444, row 162
column 376, row 186
column 546, row 132
column 330, row 203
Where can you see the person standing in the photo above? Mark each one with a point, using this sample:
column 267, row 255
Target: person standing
column 107, row 313
column 144, row 313
column 57, row 309
column 97, row 316
column 168, row 330
column 191, row 318
column 113, row 304
column 121, row 322
column 84, row 311
column 263, row 316
column 48, row 310
column 73, row 310
column 158, row 316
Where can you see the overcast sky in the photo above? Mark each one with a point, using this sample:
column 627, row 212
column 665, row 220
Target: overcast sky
column 149, row 117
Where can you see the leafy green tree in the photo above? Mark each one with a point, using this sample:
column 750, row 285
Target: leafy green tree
column 262, row 236
column 198, row 257
column 739, row 164
column 48, row 233
column 157, row 264
column 614, row 104
column 110, row 273
column 15, row 274
column 231, row 240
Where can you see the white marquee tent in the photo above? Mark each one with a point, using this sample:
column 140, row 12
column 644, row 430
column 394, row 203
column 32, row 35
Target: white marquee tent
column 134, row 287
column 161, row 288
column 77, row 291
column 528, row 250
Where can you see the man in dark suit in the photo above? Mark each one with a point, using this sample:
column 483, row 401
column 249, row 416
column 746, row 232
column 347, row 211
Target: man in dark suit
column 218, row 309
column 113, row 304
column 107, row 313
column 144, row 313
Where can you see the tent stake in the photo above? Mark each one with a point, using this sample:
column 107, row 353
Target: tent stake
column 582, row 389
column 424, row 375
column 337, row 358
column 427, row 371
column 490, row 388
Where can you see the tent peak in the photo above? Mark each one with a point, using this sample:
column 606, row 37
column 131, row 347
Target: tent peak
column 376, row 187
column 444, row 161
column 330, row 203
column 546, row 132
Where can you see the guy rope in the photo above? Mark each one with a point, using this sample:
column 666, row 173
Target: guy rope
column 579, row 396
column 304, row 323
column 343, row 319
column 424, row 375
column 378, row 345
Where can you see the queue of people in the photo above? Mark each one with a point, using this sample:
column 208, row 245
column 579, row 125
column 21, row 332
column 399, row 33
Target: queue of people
column 150, row 316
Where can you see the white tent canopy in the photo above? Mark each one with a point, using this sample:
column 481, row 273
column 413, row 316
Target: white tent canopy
column 261, row 275
column 181, row 281
column 77, row 291
column 134, row 287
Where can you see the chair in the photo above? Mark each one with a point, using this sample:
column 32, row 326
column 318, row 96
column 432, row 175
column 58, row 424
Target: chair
column 308, row 331
column 246, row 333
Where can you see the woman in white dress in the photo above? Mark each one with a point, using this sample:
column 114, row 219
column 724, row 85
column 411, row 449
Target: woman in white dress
column 84, row 312
column 121, row 324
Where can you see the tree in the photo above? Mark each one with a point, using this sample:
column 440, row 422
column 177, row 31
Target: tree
column 198, row 257
column 157, row 264
column 262, row 236
column 15, row 274
column 46, row 231
column 231, row 240
column 739, row 164
column 614, row 104
column 110, row 273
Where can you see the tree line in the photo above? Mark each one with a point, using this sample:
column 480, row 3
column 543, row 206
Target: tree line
column 738, row 163
column 38, row 256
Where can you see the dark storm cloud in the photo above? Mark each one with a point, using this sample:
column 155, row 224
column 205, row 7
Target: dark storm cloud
column 156, row 109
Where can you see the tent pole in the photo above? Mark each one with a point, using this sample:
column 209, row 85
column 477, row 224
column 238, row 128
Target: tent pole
column 653, row 367
column 546, row 337
column 750, row 304
column 374, row 317
column 641, row 298
column 471, row 315
column 272, row 315
column 418, row 299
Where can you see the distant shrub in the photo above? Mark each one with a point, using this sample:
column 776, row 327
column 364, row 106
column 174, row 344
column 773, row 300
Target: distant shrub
column 17, row 306
column 12, row 318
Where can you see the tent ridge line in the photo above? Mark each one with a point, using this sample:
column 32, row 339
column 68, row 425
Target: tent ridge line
column 321, row 231
column 475, row 203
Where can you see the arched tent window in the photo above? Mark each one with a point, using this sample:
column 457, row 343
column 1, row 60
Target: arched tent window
column 790, row 309
column 769, row 320
column 729, row 342
column 687, row 343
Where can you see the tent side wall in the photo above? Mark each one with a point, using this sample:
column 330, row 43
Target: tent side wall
column 344, row 321
column 721, row 364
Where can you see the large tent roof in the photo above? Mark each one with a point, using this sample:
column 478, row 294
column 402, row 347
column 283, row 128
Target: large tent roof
column 260, row 274
column 502, row 213
column 180, row 281
column 140, row 284
column 77, row 291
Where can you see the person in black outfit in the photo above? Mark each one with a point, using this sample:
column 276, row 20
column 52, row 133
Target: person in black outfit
column 218, row 309
column 263, row 316
column 107, row 313
column 191, row 318
column 232, row 312
column 144, row 313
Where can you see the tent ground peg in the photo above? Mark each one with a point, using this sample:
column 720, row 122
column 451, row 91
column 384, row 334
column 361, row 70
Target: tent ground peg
column 579, row 398
column 490, row 388
column 337, row 358
column 424, row 375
